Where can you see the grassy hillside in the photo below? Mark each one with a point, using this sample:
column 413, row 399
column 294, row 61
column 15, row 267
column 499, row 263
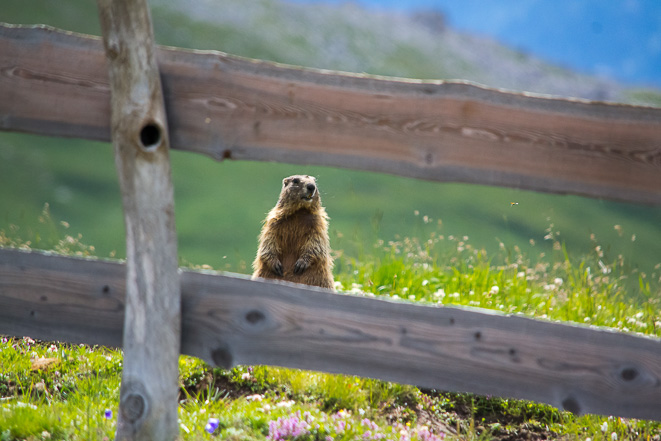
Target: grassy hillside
column 220, row 205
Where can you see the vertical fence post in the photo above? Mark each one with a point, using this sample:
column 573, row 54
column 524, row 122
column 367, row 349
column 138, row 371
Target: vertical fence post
column 148, row 398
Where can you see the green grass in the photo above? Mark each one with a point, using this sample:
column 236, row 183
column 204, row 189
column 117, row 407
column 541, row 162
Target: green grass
column 68, row 400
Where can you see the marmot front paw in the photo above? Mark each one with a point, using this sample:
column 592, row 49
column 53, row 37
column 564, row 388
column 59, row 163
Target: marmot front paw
column 301, row 265
column 277, row 268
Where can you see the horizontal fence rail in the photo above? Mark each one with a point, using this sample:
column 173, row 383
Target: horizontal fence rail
column 56, row 83
column 232, row 320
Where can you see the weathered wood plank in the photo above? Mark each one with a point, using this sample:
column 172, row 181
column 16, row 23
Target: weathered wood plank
column 53, row 83
column 233, row 320
column 152, row 327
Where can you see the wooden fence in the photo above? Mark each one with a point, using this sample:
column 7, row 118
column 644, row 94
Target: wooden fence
column 230, row 320
column 57, row 83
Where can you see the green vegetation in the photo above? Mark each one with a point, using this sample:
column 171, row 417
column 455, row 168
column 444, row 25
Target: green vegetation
column 219, row 206
column 597, row 264
column 62, row 391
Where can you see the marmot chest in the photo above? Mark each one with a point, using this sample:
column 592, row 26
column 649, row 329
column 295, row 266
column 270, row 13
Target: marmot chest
column 294, row 230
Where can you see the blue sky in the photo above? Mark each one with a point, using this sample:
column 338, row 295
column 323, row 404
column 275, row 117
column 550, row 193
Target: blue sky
column 619, row 39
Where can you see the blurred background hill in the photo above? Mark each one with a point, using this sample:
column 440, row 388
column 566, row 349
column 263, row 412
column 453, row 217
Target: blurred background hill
column 219, row 206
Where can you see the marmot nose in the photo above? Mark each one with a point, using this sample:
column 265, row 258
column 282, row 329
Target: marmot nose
column 310, row 188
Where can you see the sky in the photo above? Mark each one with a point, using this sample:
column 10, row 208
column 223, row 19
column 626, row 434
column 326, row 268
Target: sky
column 618, row 39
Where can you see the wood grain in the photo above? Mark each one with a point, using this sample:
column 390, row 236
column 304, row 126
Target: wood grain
column 54, row 83
column 152, row 326
column 230, row 320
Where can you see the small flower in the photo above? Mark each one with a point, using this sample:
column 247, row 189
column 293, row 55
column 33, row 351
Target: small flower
column 371, row 425
column 439, row 294
column 212, row 425
column 288, row 428
column 614, row 436
column 107, row 414
column 285, row 404
column 245, row 376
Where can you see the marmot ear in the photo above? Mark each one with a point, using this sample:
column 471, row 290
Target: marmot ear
column 285, row 182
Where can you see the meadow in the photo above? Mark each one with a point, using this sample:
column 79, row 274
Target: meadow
column 51, row 390
column 552, row 257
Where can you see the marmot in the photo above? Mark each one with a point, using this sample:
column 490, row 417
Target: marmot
column 294, row 244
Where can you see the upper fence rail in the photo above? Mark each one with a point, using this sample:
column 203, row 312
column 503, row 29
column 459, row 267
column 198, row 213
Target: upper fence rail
column 56, row 83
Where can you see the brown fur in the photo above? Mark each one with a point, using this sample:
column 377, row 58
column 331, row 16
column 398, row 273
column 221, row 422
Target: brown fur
column 294, row 243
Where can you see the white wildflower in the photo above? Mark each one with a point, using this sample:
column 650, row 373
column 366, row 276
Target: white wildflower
column 285, row 404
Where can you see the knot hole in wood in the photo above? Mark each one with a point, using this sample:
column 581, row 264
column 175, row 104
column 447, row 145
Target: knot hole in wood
column 151, row 135
column 254, row 317
column 133, row 401
column 222, row 356
column 571, row 405
column 134, row 407
column 629, row 374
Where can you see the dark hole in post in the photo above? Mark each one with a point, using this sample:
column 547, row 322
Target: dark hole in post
column 222, row 357
column 571, row 405
column 478, row 335
column 629, row 374
column 150, row 136
column 253, row 317
column 134, row 407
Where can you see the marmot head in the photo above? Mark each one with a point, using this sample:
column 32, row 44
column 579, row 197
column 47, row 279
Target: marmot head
column 299, row 191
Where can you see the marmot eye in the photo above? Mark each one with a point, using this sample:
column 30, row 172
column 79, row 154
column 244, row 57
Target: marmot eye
column 296, row 181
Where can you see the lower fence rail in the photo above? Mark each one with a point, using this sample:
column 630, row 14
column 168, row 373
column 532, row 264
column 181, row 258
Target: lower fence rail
column 231, row 320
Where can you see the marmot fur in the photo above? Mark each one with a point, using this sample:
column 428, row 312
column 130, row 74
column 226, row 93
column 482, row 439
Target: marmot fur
column 294, row 244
